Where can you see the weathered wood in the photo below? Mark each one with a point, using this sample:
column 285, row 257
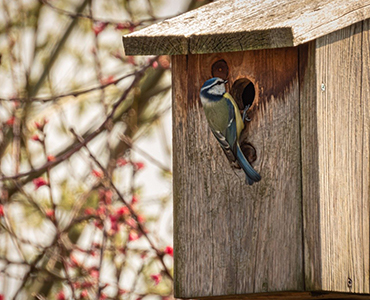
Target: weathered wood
column 343, row 118
column 293, row 296
column 310, row 167
column 231, row 238
column 232, row 25
column 234, row 239
column 335, row 161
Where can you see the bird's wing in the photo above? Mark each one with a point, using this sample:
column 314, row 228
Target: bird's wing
column 224, row 145
column 232, row 139
column 231, row 130
column 227, row 137
column 228, row 140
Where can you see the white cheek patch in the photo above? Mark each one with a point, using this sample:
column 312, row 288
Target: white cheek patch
column 218, row 89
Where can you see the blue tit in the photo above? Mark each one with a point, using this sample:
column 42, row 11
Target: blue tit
column 226, row 124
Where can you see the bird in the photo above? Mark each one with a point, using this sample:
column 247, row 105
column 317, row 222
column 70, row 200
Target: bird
column 226, row 123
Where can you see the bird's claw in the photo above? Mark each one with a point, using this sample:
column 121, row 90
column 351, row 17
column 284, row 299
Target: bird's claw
column 245, row 116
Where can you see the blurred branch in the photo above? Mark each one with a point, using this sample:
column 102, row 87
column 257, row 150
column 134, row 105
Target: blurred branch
column 89, row 223
column 130, row 208
column 55, row 52
column 156, row 162
column 69, row 94
column 126, row 23
column 33, row 268
column 138, row 75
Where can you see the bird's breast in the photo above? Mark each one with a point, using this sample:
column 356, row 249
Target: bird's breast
column 217, row 115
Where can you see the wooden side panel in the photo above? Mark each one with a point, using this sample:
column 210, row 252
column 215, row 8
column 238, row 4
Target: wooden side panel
column 231, row 238
column 310, row 167
column 364, row 212
column 343, row 155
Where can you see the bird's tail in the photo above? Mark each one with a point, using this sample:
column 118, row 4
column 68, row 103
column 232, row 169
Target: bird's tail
column 251, row 174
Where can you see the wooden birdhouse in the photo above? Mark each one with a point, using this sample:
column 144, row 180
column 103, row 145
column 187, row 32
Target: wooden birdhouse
column 302, row 232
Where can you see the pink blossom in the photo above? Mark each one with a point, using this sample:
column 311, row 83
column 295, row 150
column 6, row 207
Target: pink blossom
column 121, row 26
column 122, row 162
column 40, row 125
column 98, row 224
column 103, row 296
column 164, row 61
column 39, row 182
column 86, row 284
column 94, row 272
column 84, row 294
column 156, row 278
column 101, row 210
column 135, row 199
column 131, row 60
column 61, row 296
column 35, row 138
column 114, row 223
column 10, row 121
column 123, row 210
column 74, row 261
column 122, row 291
column 131, row 28
column 51, row 158
column 108, row 80
column 133, row 236
column 50, row 213
column 97, row 173
column 105, row 196
column 89, row 211
column 139, row 165
column 131, row 222
column 99, row 27
column 96, row 245
column 140, row 218
column 169, row 250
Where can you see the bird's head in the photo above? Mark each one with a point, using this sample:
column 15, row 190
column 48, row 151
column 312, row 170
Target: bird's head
column 213, row 88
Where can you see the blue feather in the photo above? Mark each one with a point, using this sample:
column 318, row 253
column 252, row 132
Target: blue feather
column 251, row 174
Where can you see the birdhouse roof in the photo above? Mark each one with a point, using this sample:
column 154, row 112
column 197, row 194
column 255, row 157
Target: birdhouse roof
column 237, row 25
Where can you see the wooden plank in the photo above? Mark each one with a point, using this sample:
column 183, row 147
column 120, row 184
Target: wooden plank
column 226, row 25
column 365, row 211
column 310, row 167
column 293, row 296
column 231, row 238
column 179, row 66
column 343, row 158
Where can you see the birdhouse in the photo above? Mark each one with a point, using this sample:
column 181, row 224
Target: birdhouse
column 302, row 231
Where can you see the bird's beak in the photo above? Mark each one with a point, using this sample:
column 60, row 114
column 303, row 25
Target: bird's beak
column 226, row 81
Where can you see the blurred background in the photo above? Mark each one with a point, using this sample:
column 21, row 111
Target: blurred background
column 85, row 151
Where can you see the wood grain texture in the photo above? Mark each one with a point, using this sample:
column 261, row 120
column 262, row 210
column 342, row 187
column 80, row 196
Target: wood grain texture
column 293, row 296
column 231, row 238
column 343, row 118
column 310, row 167
column 235, row 25
column 335, row 161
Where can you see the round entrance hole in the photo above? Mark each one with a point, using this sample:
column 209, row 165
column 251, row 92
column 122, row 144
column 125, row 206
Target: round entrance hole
column 243, row 92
